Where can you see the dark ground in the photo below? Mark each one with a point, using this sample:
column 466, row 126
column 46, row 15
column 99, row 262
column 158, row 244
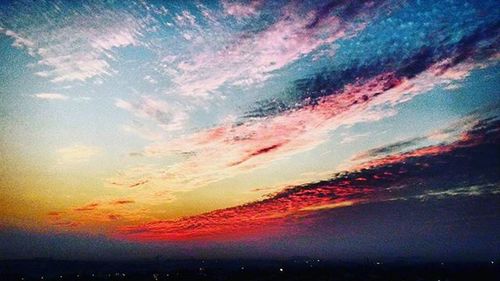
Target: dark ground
column 292, row 269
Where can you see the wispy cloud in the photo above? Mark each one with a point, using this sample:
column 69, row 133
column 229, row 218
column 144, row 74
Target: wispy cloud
column 373, row 96
column 81, row 48
column 77, row 153
column 167, row 116
column 88, row 207
column 19, row 42
column 474, row 190
column 256, row 143
column 122, row 202
column 241, row 10
column 50, row 96
column 101, row 212
column 253, row 58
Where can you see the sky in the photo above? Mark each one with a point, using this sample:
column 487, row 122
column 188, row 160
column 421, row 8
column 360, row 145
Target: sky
column 339, row 129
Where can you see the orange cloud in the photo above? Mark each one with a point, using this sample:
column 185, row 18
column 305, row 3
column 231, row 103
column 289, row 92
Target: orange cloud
column 122, row 202
column 88, row 207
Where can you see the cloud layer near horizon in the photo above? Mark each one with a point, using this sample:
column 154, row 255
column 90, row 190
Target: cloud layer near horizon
column 471, row 170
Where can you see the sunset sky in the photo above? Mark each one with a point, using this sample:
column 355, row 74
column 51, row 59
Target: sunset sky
column 261, row 128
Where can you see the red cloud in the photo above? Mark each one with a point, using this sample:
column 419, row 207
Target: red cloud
column 261, row 216
column 365, row 183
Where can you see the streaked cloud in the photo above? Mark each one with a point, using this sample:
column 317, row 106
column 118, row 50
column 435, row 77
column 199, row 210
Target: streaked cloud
column 88, row 207
column 122, row 202
column 50, row 96
column 77, row 153
column 253, row 58
column 80, row 49
column 256, row 143
column 413, row 174
column 166, row 116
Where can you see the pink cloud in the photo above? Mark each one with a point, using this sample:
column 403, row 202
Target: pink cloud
column 241, row 10
column 228, row 150
column 365, row 183
column 252, row 59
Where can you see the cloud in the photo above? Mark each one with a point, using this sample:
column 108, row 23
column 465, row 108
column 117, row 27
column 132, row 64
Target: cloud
column 77, row 153
column 374, row 93
column 78, row 49
column 443, row 136
column 55, row 214
column 240, row 10
column 347, row 139
column 19, row 42
column 88, row 207
column 259, row 141
column 185, row 19
column 392, row 148
column 468, row 163
column 474, row 190
column 96, row 212
column 146, row 180
column 50, row 96
column 122, row 202
column 253, row 58
column 114, row 217
column 167, row 116
column 474, row 48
